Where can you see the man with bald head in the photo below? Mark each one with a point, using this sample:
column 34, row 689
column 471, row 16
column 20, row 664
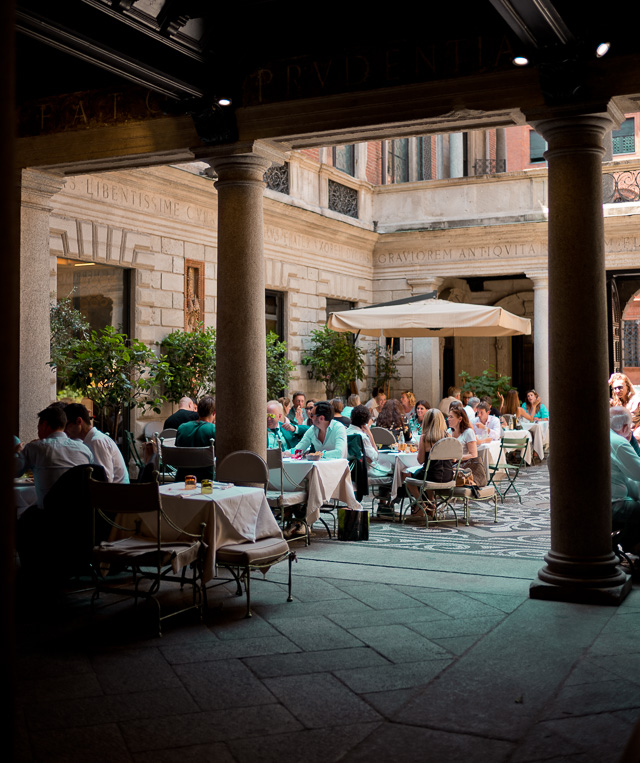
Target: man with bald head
column 281, row 432
column 187, row 411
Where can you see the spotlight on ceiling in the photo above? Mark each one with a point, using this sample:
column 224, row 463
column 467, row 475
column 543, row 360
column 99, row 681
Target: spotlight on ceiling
column 603, row 49
column 224, row 101
column 520, row 61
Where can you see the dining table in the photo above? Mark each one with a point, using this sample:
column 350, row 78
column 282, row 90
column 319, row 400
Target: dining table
column 324, row 480
column 399, row 461
column 232, row 515
column 24, row 493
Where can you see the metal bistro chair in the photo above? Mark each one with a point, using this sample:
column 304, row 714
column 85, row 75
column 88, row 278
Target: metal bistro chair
column 509, row 470
column 146, row 556
column 447, row 449
column 472, row 493
column 280, row 500
column 132, row 451
column 184, row 459
column 244, row 467
column 383, row 436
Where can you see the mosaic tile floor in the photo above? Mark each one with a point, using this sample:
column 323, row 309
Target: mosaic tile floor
column 522, row 530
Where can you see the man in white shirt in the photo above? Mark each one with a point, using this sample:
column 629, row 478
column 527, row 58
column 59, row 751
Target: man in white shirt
column 52, row 454
column 105, row 451
column 486, row 427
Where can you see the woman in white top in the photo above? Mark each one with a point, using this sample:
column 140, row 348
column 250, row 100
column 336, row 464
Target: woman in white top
column 461, row 429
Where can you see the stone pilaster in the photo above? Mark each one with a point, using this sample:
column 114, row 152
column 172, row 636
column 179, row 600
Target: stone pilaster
column 241, row 350
column 541, row 333
column 37, row 381
column 580, row 565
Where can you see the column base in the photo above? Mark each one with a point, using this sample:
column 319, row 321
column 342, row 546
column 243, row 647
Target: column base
column 611, row 596
column 584, row 580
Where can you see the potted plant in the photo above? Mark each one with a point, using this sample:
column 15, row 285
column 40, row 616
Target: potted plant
column 334, row 359
column 191, row 357
column 279, row 367
column 115, row 372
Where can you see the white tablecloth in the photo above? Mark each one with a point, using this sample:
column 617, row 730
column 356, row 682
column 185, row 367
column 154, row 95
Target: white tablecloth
column 516, row 434
column 234, row 515
column 399, row 462
column 539, row 431
column 325, row 479
column 25, row 495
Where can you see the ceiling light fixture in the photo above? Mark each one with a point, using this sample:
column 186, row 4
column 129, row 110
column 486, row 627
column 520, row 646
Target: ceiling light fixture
column 520, row 61
column 224, row 101
column 603, row 49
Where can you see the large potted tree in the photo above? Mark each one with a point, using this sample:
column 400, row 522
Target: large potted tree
column 115, row 372
column 334, row 359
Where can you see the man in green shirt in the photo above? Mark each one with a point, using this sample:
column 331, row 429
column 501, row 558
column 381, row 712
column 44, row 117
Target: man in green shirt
column 198, row 434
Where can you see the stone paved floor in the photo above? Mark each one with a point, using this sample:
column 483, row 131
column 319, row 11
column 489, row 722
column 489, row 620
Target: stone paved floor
column 386, row 654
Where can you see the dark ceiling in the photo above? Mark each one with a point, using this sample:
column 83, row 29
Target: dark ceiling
column 192, row 52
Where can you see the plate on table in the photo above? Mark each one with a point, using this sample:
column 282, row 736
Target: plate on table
column 313, row 456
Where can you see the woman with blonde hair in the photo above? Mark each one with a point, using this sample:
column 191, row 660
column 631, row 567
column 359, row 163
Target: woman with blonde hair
column 408, row 402
column 434, row 428
column 623, row 392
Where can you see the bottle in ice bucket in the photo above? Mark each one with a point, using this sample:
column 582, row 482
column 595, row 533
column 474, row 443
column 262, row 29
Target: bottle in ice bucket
column 190, row 482
column 207, row 487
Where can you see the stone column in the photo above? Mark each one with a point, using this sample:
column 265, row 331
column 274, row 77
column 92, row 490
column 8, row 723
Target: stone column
column 456, row 155
column 37, row 381
column 541, row 333
column 426, row 351
column 241, row 374
column 580, row 565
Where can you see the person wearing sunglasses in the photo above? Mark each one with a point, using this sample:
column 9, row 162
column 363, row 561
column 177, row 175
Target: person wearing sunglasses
column 623, row 392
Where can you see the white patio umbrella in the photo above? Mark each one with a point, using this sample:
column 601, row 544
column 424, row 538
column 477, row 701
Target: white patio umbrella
column 425, row 316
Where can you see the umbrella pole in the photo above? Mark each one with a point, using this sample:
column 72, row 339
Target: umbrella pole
column 389, row 379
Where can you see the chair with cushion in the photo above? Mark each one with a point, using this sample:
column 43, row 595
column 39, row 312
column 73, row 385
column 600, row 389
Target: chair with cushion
column 516, row 448
column 472, row 493
column 244, row 468
column 186, row 460
column 243, row 558
column 447, row 449
column 149, row 559
column 383, row 437
column 282, row 501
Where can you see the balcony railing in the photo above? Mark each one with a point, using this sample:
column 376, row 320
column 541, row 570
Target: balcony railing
column 618, row 187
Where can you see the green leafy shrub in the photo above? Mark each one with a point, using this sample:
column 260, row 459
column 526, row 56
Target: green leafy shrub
column 334, row 359
column 279, row 367
column 489, row 382
column 386, row 368
column 191, row 357
column 115, row 372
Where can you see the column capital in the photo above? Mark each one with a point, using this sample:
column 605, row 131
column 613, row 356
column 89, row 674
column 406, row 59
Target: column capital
column 540, row 278
column 38, row 187
column 246, row 151
column 579, row 132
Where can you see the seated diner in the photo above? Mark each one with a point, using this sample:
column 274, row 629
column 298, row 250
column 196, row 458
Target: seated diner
column 325, row 436
column 461, row 429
